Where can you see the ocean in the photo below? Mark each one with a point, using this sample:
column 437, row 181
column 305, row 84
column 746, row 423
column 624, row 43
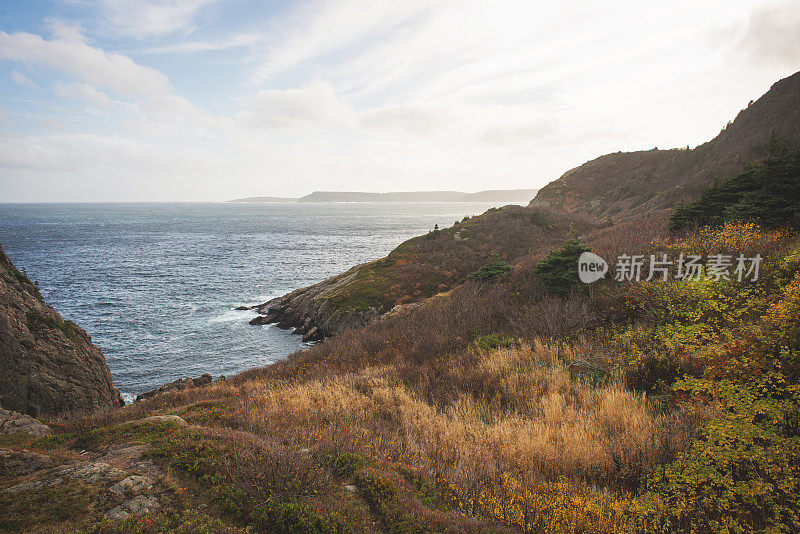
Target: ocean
column 155, row 284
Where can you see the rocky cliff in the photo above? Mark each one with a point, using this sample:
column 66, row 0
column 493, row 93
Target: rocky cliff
column 49, row 366
column 310, row 312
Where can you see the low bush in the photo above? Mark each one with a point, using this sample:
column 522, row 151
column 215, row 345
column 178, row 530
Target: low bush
column 296, row 518
column 494, row 270
column 559, row 271
column 496, row 341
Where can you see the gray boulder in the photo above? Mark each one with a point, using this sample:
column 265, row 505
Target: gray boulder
column 13, row 422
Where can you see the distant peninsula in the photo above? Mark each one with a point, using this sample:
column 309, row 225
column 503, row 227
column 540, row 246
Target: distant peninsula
column 265, row 199
column 496, row 195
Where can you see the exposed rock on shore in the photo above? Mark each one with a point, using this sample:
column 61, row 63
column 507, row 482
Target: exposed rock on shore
column 182, row 383
column 50, row 366
column 309, row 313
column 312, row 314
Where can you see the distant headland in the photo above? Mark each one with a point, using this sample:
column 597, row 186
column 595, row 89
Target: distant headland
column 496, row 195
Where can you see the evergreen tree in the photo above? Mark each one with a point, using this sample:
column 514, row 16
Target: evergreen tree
column 559, row 271
column 767, row 192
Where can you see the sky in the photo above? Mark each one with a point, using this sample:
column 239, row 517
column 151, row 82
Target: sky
column 207, row 100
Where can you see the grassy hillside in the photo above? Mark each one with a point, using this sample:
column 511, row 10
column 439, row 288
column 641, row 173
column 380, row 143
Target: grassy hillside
column 442, row 259
column 601, row 193
column 425, row 266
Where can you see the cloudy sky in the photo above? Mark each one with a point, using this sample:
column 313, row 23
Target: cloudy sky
column 130, row 100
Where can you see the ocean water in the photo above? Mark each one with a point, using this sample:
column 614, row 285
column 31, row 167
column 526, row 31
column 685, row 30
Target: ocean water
column 155, row 285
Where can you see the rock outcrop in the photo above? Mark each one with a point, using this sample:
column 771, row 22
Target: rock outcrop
column 181, row 383
column 50, row 366
column 309, row 310
column 13, row 422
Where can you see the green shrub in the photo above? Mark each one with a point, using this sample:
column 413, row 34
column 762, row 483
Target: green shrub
column 495, row 341
column 70, row 501
column 385, row 493
column 295, row 518
column 494, row 270
column 183, row 522
column 742, row 475
column 767, row 192
column 376, row 490
column 559, row 271
column 345, row 464
column 36, row 322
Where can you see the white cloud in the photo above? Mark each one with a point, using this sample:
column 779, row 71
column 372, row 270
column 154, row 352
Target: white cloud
column 172, row 108
column 109, row 70
column 147, row 18
column 772, row 34
column 242, row 40
column 20, row 79
column 61, row 29
column 408, row 119
column 83, row 92
column 326, row 26
column 311, row 107
column 75, row 152
column 453, row 94
column 510, row 134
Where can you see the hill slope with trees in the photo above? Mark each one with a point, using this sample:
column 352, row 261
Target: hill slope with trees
column 627, row 184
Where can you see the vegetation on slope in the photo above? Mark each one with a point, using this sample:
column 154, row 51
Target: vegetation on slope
column 767, row 192
column 632, row 184
column 641, row 406
column 644, row 406
column 559, row 270
column 442, row 259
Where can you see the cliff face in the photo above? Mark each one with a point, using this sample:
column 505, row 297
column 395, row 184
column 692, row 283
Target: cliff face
column 49, row 366
column 629, row 184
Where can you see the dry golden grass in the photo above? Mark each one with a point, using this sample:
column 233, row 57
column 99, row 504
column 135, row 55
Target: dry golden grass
column 547, row 424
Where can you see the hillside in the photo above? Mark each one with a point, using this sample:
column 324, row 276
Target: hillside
column 417, row 269
column 499, row 407
column 626, row 184
column 50, row 366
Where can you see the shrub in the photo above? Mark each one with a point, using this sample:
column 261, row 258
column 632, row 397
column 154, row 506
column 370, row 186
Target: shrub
column 742, row 476
column 345, row 464
column 495, row 341
column 183, row 522
column 494, row 270
column 375, row 489
column 559, row 271
column 296, row 518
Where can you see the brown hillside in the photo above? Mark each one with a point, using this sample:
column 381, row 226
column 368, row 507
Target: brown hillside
column 631, row 183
